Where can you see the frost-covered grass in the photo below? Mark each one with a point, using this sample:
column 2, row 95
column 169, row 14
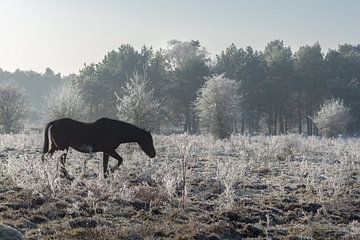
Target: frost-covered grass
column 246, row 186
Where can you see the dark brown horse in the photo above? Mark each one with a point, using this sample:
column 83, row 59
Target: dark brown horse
column 104, row 135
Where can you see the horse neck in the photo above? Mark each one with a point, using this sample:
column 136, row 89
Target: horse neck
column 131, row 134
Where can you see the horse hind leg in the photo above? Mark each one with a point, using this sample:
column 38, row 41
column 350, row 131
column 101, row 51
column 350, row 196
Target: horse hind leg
column 63, row 170
column 49, row 153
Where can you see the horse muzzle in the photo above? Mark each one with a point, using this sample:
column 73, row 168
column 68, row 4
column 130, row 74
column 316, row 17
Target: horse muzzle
column 152, row 154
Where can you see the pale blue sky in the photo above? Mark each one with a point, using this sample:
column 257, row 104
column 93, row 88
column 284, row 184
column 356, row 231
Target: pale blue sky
column 65, row 34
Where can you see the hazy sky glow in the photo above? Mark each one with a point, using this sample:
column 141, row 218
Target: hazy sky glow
column 63, row 35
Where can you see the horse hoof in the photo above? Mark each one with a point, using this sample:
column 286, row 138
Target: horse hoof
column 66, row 176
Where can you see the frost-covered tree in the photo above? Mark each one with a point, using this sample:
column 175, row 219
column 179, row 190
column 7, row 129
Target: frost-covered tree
column 332, row 118
column 138, row 105
column 65, row 102
column 180, row 53
column 217, row 105
column 13, row 108
column 189, row 65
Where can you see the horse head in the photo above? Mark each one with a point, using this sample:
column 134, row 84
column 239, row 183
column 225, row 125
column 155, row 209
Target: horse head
column 147, row 145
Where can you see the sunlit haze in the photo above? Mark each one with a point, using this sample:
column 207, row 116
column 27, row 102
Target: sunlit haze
column 63, row 35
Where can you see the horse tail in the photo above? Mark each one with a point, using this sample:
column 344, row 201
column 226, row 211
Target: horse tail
column 46, row 138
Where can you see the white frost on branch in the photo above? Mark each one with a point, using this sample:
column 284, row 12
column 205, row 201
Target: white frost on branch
column 66, row 102
column 13, row 108
column 138, row 105
column 217, row 105
column 332, row 118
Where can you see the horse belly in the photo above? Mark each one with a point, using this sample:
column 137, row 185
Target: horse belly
column 84, row 147
column 90, row 140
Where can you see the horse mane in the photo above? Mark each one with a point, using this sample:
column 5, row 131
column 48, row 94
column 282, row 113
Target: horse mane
column 122, row 124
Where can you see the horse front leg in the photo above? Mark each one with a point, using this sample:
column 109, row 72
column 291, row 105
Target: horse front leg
column 63, row 170
column 105, row 163
column 85, row 162
column 115, row 155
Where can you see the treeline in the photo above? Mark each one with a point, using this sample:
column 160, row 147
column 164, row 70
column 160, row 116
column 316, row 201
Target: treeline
column 35, row 85
column 280, row 90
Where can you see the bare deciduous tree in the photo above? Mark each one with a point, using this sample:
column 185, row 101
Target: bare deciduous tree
column 13, row 108
column 66, row 102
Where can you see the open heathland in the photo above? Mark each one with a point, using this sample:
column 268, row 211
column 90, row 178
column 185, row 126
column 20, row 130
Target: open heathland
column 274, row 187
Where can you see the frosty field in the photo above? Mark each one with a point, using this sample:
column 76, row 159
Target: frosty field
column 274, row 187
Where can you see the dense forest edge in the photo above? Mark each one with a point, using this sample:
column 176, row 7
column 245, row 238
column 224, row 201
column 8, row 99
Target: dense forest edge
column 279, row 90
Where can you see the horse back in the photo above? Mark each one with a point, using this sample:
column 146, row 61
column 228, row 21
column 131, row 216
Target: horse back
column 96, row 136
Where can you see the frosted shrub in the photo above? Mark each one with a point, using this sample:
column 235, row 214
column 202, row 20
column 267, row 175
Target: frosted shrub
column 168, row 176
column 229, row 172
column 186, row 147
column 13, row 108
column 19, row 141
column 65, row 102
column 138, row 105
column 170, row 179
column 217, row 106
column 332, row 118
column 43, row 177
column 28, row 171
column 354, row 229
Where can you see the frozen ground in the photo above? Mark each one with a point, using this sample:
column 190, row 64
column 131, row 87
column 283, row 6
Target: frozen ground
column 282, row 187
